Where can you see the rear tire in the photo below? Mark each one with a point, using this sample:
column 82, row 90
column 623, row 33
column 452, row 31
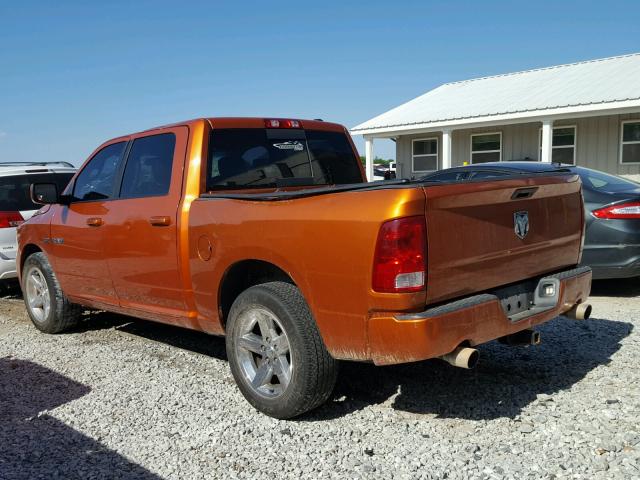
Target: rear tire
column 275, row 351
column 48, row 308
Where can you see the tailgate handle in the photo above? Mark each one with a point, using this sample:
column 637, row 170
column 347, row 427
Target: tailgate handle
column 160, row 221
column 521, row 193
column 95, row 222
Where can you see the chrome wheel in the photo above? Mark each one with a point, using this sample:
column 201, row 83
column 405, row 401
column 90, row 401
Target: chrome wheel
column 37, row 295
column 263, row 352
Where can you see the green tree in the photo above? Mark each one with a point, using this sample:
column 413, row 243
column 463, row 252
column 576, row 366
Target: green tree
column 377, row 160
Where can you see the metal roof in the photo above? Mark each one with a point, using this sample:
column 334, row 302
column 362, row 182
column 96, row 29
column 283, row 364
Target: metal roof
column 594, row 83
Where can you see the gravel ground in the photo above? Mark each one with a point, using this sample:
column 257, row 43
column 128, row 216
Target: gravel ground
column 119, row 398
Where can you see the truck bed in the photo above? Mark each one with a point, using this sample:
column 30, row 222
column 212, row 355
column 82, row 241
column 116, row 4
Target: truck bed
column 472, row 245
column 324, row 239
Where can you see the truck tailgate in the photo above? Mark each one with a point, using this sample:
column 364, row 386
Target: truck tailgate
column 474, row 230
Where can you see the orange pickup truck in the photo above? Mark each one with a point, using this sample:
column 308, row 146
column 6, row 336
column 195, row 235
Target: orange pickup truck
column 266, row 231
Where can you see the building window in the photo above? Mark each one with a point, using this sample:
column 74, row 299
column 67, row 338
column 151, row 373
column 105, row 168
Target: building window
column 486, row 147
column 424, row 155
column 563, row 145
column 630, row 142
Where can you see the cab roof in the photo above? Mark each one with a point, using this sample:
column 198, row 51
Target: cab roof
column 250, row 122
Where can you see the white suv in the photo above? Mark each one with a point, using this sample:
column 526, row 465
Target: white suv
column 16, row 205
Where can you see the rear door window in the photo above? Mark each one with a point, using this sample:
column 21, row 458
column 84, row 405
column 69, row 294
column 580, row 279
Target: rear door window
column 147, row 172
column 260, row 158
column 97, row 178
column 14, row 190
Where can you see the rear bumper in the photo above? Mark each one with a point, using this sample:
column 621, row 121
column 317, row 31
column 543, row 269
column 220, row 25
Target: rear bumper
column 401, row 338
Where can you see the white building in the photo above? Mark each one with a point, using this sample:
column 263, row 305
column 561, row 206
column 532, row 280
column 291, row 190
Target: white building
column 586, row 113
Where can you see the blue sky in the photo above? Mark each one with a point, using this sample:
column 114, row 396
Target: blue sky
column 73, row 74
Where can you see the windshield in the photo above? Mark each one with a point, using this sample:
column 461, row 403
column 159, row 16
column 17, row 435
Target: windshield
column 14, row 190
column 259, row 158
column 603, row 182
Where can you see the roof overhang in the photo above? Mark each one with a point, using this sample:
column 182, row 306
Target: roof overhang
column 558, row 113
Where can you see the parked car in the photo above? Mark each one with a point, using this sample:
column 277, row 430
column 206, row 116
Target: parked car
column 390, row 171
column 16, row 205
column 266, row 231
column 612, row 203
column 380, row 173
column 383, row 173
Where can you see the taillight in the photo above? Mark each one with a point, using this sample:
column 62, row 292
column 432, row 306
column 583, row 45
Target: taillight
column 282, row 123
column 10, row 219
column 619, row 211
column 400, row 258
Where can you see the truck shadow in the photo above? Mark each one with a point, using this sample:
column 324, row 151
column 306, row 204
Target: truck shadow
column 10, row 290
column 183, row 338
column 191, row 340
column 505, row 381
column 36, row 444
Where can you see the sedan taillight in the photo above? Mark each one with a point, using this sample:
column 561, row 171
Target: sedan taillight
column 400, row 259
column 10, row 219
column 619, row 211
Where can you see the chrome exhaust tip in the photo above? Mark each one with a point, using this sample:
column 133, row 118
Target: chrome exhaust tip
column 581, row 311
column 462, row 357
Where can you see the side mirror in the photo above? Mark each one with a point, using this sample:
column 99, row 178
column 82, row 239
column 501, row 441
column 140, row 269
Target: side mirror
column 44, row 193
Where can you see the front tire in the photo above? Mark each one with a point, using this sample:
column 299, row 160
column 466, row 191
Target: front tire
column 48, row 308
column 275, row 351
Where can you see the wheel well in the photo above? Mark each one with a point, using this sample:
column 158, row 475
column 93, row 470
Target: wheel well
column 28, row 250
column 243, row 275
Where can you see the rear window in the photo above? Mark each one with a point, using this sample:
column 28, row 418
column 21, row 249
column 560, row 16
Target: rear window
column 14, row 190
column 605, row 183
column 259, row 158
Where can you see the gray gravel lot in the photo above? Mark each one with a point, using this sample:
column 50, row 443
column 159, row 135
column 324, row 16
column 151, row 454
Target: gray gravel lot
column 119, row 398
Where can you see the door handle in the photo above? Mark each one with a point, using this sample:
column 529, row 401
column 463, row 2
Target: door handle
column 95, row 222
column 160, row 221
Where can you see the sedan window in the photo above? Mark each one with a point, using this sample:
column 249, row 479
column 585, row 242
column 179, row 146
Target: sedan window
column 14, row 190
column 603, row 182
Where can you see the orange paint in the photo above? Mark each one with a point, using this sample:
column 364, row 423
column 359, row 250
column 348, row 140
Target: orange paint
column 165, row 258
